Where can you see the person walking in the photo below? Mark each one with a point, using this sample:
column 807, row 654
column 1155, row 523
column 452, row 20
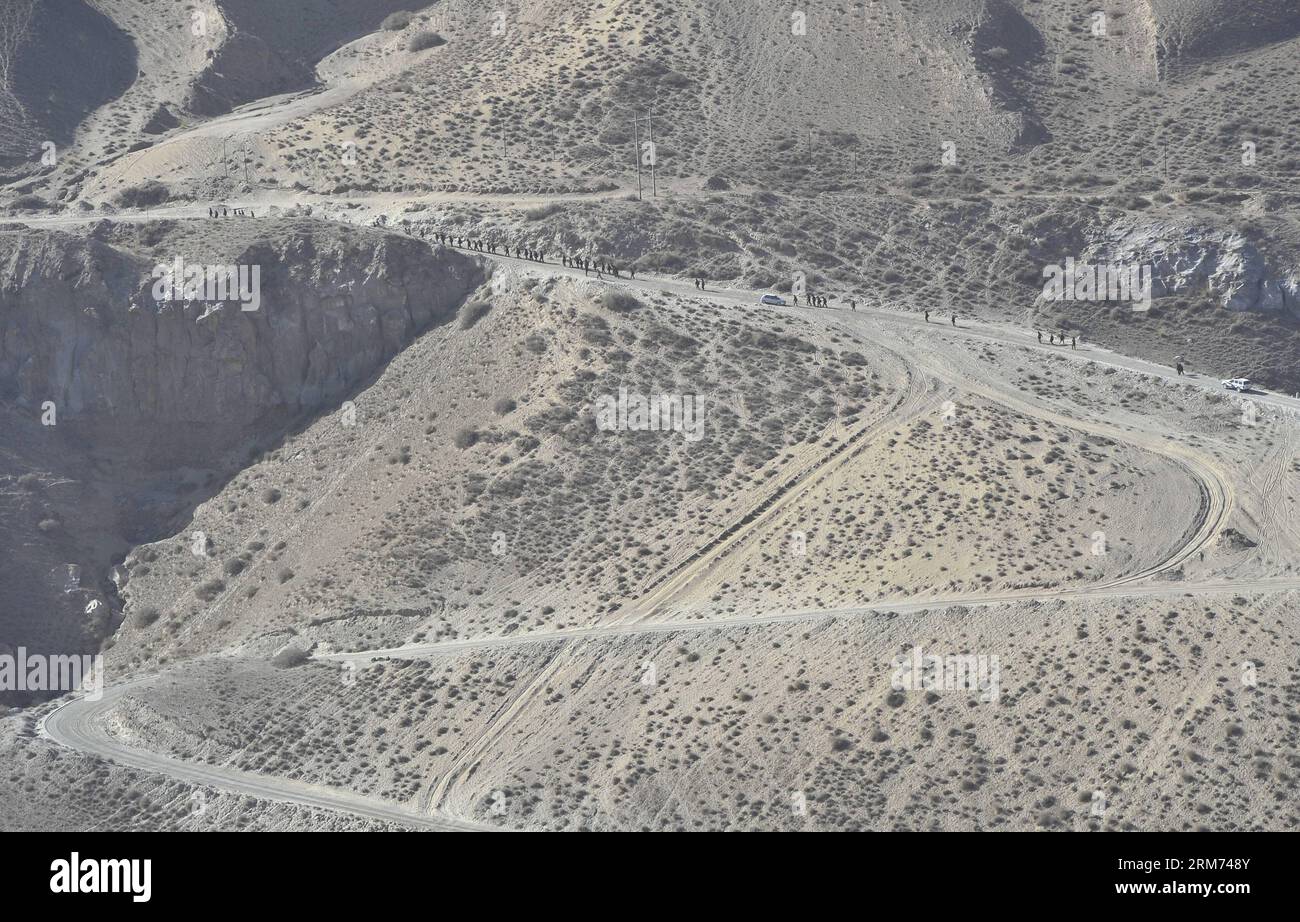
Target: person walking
column 1074, row 343
column 954, row 319
column 927, row 316
column 1040, row 337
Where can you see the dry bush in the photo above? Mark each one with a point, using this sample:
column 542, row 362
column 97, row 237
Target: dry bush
column 289, row 657
column 146, row 616
column 29, row 203
column 422, row 41
column 145, row 195
column 620, row 302
column 209, row 590
column 472, row 313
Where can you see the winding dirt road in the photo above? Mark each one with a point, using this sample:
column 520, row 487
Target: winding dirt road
column 79, row 724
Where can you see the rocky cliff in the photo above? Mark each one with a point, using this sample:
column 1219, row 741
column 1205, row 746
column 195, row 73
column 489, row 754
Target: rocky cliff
column 121, row 413
column 80, row 325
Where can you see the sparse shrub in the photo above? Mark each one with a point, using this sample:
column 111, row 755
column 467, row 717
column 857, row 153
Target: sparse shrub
column 145, row 195
column 209, row 590
column 472, row 313
column 143, row 617
column 541, row 212
column 466, row 438
column 503, row 406
column 289, row 657
column 396, row 22
column 620, row 302
column 284, row 575
column 29, row 203
column 422, row 41
column 234, row 566
column 271, row 495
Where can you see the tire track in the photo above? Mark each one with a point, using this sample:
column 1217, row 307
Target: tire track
column 78, row 725
column 914, row 400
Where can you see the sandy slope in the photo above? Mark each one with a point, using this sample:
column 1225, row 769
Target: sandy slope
column 505, row 752
column 519, row 621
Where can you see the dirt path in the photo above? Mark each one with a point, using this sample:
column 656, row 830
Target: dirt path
column 78, row 723
column 917, row 397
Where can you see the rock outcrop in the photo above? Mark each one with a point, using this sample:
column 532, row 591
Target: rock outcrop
column 121, row 413
column 80, row 326
column 1188, row 257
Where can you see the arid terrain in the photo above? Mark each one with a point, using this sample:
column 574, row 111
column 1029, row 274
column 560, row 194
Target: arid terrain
column 623, row 415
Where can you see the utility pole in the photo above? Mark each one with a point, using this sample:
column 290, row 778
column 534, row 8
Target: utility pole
column 654, row 155
column 636, row 130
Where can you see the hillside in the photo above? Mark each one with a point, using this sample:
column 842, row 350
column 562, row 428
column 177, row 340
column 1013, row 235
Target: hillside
column 123, row 413
column 630, row 415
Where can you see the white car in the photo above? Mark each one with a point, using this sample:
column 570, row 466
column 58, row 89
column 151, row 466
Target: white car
column 1241, row 385
column 773, row 300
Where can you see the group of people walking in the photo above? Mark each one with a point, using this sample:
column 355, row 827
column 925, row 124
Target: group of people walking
column 225, row 212
column 599, row 266
column 1052, row 339
column 953, row 317
column 486, row 246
